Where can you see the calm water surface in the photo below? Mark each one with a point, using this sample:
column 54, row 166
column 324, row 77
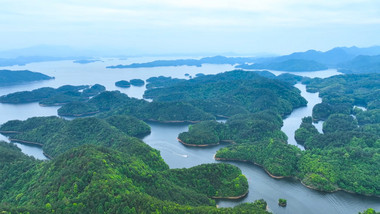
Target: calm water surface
column 163, row 136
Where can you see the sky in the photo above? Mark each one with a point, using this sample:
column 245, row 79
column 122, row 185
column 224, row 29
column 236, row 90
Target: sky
column 191, row 26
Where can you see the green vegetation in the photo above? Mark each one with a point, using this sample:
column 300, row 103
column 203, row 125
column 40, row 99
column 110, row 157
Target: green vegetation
column 116, row 103
column 239, row 88
column 369, row 211
column 93, row 90
column 282, row 202
column 239, row 129
column 341, row 93
column 129, row 125
column 117, row 174
column 287, row 65
column 49, row 96
column 161, row 81
column 8, row 77
column 137, row 82
column 306, row 130
column 57, row 135
column 123, row 84
column 346, row 156
column 199, row 99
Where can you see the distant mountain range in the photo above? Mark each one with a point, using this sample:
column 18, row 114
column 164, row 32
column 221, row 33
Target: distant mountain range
column 346, row 59
column 331, row 58
column 361, row 64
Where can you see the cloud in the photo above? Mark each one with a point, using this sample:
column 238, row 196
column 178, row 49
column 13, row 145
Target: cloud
column 141, row 20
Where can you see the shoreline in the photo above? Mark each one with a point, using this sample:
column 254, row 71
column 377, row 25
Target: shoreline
column 232, row 197
column 25, row 142
column 206, row 145
column 281, row 177
column 247, row 161
column 197, row 145
column 173, row 121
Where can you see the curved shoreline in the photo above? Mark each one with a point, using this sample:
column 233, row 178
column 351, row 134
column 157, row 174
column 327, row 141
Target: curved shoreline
column 173, row 121
column 25, row 142
column 205, row 145
column 247, row 161
column 197, row 145
column 280, row 177
column 232, row 197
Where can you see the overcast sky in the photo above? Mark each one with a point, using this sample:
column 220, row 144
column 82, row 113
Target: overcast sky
column 191, row 26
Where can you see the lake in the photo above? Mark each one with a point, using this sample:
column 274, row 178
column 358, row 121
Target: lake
column 163, row 137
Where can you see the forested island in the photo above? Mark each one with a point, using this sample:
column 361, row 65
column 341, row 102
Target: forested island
column 8, row 77
column 98, row 166
column 123, row 84
column 48, row 96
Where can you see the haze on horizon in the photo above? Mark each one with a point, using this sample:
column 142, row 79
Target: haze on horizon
column 191, row 26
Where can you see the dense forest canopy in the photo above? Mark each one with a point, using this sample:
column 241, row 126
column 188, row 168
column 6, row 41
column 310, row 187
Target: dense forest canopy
column 202, row 98
column 94, row 179
column 345, row 157
column 48, row 96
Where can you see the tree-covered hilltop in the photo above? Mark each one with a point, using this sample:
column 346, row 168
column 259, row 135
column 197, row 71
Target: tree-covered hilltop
column 57, row 135
column 239, row 88
column 49, row 96
column 341, row 93
column 118, row 179
column 296, row 65
column 115, row 103
column 8, row 77
column 161, row 81
column 256, row 138
column 238, row 129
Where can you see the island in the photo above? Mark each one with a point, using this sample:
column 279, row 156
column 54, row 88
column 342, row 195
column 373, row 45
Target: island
column 48, row 96
column 137, row 82
column 9, row 77
column 282, row 202
column 123, row 84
